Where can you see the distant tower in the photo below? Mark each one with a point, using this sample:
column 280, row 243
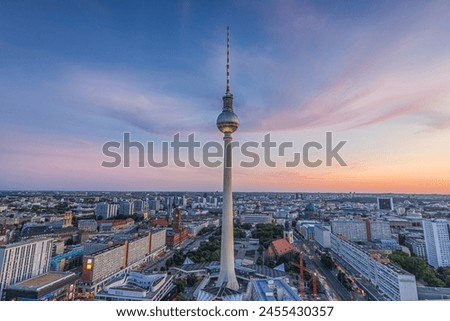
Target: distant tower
column 67, row 219
column 177, row 223
column 227, row 123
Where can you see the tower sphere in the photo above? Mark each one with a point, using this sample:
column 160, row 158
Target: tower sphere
column 227, row 122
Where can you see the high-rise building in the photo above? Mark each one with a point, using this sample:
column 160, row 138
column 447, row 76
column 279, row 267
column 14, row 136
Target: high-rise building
column 101, row 264
column 227, row 123
column 362, row 230
column 354, row 230
column 157, row 240
column 24, row 260
column 67, row 221
column 418, row 248
column 137, row 249
column 170, row 202
column 152, row 205
column 378, row 230
column 322, row 235
column 437, row 242
column 106, row 211
column 126, row 208
column 385, row 203
column 103, row 260
column 139, row 205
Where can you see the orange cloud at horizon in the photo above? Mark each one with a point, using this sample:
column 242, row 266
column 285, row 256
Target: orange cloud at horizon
column 341, row 180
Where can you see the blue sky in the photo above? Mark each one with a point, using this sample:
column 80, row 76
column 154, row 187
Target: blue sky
column 76, row 74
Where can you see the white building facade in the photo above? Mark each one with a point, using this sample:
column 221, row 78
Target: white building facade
column 437, row 242
column 394, row 283
column 24, row 260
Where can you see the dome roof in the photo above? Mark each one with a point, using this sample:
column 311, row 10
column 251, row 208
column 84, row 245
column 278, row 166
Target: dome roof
column 310, row 207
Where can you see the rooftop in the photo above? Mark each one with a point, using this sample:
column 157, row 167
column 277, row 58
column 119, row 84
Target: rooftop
column 282, row 246
column 44, row 280
column 41, row 280
column 25, row 242
column 274, row 290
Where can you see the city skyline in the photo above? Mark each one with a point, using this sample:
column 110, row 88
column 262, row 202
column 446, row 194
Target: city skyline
column 374, row 74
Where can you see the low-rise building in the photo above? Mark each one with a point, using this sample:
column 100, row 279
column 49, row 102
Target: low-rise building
column 393, row 282
column 87, row 225
column 51, row 286
column 272, row 290
column 137, row 287
column 253, row 218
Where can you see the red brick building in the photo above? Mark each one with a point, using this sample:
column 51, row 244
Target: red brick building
column 177, row 234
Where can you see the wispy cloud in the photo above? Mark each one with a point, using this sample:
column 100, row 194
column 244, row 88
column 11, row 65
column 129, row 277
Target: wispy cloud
column 139, row 103
column 379, row 76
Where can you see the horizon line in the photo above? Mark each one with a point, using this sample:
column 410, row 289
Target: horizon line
column 209, row 191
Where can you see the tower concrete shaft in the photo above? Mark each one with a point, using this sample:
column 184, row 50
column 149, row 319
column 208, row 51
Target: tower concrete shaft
column 227, row 273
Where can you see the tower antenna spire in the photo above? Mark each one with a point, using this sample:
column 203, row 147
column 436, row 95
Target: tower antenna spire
column 228, row 92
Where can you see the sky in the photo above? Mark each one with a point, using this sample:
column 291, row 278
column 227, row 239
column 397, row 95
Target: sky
column 75, row 75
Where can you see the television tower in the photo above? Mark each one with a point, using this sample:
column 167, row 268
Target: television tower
column 227, row 123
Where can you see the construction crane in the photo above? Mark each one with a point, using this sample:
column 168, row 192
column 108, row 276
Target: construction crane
column 314, row 280
column 302, row 276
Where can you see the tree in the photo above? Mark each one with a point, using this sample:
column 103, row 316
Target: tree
column 207, row 251
column 246, row 226
column 418, row 267
column 343, row 279
column 307, row 276
column 260, row 249
column 180, row 297
column 319, row 285
column 137, row 218
column 266, row 233
column 191, row 280
column 282, row 259
column 178, row 258
column 238, row 233
column 401, row 239
column 327, row 261
column 179, row 285
column 169, row 262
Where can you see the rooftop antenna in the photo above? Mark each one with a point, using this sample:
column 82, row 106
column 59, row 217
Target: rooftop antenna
column 228, row 92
